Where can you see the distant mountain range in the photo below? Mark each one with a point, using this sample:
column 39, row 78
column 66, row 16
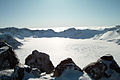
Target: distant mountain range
column 108, row 34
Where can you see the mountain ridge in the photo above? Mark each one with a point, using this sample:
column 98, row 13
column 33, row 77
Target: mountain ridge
column 73, row 33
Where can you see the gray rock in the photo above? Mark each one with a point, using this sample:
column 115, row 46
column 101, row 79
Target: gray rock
column 65, row 64
column 105, row 67
column 39, row 60
column 8, row 58
column 6, row 74
column 23, row 72
column 10, row 40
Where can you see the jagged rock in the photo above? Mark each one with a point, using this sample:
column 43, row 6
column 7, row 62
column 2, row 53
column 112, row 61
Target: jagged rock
column 39, row 60
column 8, row 59
column 105, row 67
column 64, row 65
column 23, row 72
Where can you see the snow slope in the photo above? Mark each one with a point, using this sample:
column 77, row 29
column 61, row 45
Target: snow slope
column 81, row 51
column 111, row 35
column 61, row 48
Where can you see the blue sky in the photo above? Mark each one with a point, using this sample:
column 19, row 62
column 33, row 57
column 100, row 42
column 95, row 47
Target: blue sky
column 54, row 13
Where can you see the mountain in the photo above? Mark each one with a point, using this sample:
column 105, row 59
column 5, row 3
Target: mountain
column 105, row 68
column 108, row 34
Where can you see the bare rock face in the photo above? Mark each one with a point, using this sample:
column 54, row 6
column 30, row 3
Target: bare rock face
column 105, row 67
column 40, row 60
column 8, row 59
column 64, row 65
column 22, row 72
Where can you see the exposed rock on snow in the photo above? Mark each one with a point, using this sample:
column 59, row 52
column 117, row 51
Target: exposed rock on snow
column 79, row 34
column 70, row 74
column 69, row 33
column 8, row 58
column 40, row 60
column 105, row 68
column 25, row 72
column 10, row 40
column 108, row 34
column 64, row 65
column 6, row 74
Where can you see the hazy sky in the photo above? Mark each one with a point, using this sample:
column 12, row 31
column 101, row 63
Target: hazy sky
column 42, row 13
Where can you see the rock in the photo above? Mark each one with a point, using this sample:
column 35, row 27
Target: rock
column 40, row 60
column 8, row 58
column 70, row 74
column 23, row 72
column 107, row 57
column 10, row 40
column 113, row 65
column 64, row 65
column 105, row 67
column 6, row 74
column 2, row 43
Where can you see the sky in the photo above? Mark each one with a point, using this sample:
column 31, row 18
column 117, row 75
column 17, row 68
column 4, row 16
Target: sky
column 59, row 13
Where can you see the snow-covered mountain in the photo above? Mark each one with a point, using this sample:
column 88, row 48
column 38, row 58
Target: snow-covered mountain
column 69, row 33
column 108, row 34
column 84, row 46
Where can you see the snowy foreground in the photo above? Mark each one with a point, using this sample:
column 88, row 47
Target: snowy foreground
column 81, row 51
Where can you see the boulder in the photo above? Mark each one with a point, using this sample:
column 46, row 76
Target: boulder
column 23, row 72
column 40, row 60
column 66, row 64
column 8, row 58
column 105, row 67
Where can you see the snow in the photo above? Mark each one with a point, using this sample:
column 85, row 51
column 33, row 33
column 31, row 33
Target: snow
column 3, row 49
column 81, row 51
column 84, row 77
column 59, row 29
column 10, row 40
column 82, row 45
column 70, row 74
column 7, row 72
column 110, row 35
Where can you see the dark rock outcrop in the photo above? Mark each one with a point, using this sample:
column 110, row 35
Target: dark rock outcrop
column 105, row 67
column 39, row 60
column 22, row 72
column 65, row 64
column 8, row 58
